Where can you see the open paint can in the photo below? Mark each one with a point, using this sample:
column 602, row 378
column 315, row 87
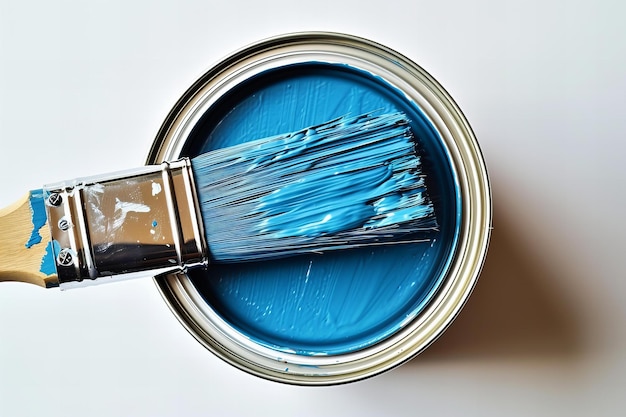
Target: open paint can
column 347, row 315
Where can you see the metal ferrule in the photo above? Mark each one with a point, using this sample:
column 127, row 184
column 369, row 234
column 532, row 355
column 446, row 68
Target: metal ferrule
column 143, row 222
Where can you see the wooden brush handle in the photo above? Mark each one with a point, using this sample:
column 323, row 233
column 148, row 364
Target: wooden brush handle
column 23, row 245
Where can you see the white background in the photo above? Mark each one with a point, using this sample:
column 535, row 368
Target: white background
column 85, row 85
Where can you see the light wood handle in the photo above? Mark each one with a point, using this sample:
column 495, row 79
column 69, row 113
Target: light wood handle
column 25, row 248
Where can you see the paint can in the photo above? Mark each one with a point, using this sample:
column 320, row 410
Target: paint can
column 340, row 317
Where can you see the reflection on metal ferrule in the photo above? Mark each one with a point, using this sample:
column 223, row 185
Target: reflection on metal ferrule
column 133, row 223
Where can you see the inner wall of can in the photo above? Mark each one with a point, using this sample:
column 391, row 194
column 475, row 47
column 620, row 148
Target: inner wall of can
column 472, row 188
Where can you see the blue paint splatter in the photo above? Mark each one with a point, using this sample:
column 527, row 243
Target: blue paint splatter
column 39, row 218
column 47, row 262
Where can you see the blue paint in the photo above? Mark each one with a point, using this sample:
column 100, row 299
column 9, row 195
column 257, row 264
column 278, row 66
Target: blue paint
column 48, row 265
column 39, row 218
column 350, row 182
column 340, row 301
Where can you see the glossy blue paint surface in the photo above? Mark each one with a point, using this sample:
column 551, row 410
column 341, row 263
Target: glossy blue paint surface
column 337, row 302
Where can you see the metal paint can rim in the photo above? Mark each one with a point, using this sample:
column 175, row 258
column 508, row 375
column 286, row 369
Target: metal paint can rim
column 466, row 160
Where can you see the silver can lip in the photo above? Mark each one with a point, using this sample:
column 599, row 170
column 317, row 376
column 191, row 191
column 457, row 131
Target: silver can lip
column 472, row 187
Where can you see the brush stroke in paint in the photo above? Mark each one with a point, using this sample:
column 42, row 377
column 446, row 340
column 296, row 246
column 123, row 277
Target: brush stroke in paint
column 336, row 302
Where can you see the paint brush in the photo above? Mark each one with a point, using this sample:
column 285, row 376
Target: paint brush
column 347, row 183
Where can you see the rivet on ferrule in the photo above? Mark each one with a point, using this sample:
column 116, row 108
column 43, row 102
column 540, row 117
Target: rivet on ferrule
column 55, row 199
column 64, row 223
column 65, row 257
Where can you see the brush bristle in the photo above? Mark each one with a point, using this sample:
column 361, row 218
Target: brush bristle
column 347, row 183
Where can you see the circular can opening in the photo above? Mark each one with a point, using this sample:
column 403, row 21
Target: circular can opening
column 343, row 315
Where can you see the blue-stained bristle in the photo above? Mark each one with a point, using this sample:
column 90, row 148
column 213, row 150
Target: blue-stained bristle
column 347, row 183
